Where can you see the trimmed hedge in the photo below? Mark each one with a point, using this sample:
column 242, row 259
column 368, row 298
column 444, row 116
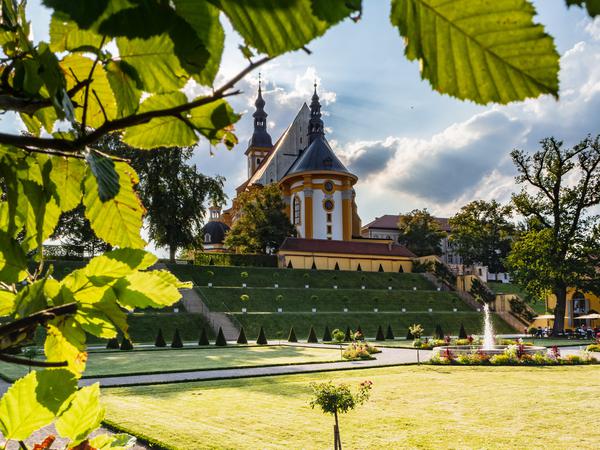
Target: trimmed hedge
column 262, row 339
column 348, row 335
column 389, row 334
column 113, row 344
column 221, row 341
column 232, row 259
column 462, row 334
column 379, row 336
column 126, row 344
column 242, row 337
column 312, row 336
column 160, row 340
column 203, row 340
column 327, row 335
column 177, row 342
column 292, row 336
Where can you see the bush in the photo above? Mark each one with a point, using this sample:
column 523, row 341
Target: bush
column 242, row 337
column 203, row 338
column 359, row 351
column 593, row 348
column 348, row 335
column 279, row 298
column 389, row 334
column 231, row 259
column 126, row 344
column 312, row 336
column 113, row 344
column 409, row 336
column 327, row 335
column 177, row 342
column 462, row 334
column 379, row 336
column 359, row 335
column 244, row 275
column 244, row 297
column 292, row 336
column 439, row 333
column 221, row 341
column 160, row 340
column 262, row 339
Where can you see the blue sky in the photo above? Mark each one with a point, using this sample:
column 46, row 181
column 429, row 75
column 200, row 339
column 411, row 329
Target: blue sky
column 410, row 146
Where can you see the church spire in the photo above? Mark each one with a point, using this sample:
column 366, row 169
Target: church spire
column 315, row 124
column 260, row 137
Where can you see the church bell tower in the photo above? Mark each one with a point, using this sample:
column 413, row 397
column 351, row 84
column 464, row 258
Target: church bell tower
column 260, row 144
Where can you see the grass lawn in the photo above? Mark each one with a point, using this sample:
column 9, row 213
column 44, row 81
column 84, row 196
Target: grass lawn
column 141, row 361
column 410, row 407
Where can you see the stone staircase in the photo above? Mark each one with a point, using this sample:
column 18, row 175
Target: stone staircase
column 194, row 304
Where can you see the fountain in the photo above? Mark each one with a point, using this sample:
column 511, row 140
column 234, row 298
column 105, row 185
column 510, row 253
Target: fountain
column 489, row 346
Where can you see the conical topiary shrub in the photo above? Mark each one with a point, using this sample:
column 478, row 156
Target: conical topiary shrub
column 221, row 341
column 160, row 340
column 312, row 336
column 292, row 336
column 176, row 342
column 113, row 344
column 262, row 339
column 359, row 333
column 126, row 344
column 203, row 337
column 327, row 335
column 409, row 336
column 242, row 337
column 462, row 334
column 390, row 333
column 380, row 336
column 439, row 333
column 348, row 335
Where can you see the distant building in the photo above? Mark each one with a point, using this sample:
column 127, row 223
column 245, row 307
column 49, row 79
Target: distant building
column 213, row 233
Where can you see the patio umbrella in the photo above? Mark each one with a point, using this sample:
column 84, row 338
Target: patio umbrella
column 589, row 316
column 546, row 317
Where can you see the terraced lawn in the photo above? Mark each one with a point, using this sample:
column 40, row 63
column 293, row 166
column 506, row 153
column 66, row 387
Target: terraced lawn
column 145, row 361
column 410, row 407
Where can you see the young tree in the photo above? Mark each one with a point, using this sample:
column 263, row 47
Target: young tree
column 482, row 233
column 338, row 399
column 262, row 224
column 74, row 230
column 420, row 233
column 560, row 247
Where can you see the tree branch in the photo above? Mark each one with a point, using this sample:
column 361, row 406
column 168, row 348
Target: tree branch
column 129, row 121
column 39, row 317
column 31, row 106
column 31, row 362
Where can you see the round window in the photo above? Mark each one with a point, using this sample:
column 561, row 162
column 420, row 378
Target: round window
column 328, row 205
column 328, row 185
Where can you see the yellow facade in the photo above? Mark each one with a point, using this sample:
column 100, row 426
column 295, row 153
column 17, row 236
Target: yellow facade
column 578, row 304
column 325, row 261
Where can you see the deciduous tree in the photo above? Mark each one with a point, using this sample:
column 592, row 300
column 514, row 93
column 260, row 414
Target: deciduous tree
column 420, row 233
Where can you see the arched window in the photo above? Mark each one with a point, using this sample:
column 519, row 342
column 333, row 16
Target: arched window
column 297, row 206
column 207, row 238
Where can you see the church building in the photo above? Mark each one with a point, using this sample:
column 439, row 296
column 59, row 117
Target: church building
column 319, row 195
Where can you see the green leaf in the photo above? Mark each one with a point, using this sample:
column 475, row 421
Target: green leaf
column 136, row 259
column 7, row 302
column 479, row 50
column 13, row 262
column 148, row 289
column 163, row 131
column 103, row 169
column 31, row 299
column 154, row 61
column 119, row 441
column 65, row 341
column 83, row 415
column 101, row 104
column 78, row 287
column 126, row 86
column 33, row 401
column 334, row 11
column 65, row 35
column 54, row 81
column 592, row 6
column 274, row 26
column 214, row 121
column 67, row 175
column 117, row 221
column 41, row 213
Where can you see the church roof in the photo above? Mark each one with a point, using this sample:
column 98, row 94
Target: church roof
column 217, row 231
column 318, row 156
column 390, row 221
column 345, row 247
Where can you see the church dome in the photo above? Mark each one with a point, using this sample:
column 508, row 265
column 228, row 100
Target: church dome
column 317, row 157
column 214, row 232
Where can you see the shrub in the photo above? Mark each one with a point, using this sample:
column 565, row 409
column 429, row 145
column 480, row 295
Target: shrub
column 380, row 336
column 275, row 275
column 439, row 333
column 327, row 335
column 279, row 298
column 338, row 335
column 210, row 273
column 126, row 344
column 359, row 350
column 312, row 336
column 177, row 342
column 160, row 340
column 348, row 335
column 221, row 341
column 359, row 335
column 593, row 348
column 462, row 334
column 409, row 335
column 203, row 340
column 262, row 339
column 244, row 274
column 389, row 334
column 306, row 276
column 314, row 298
column 242, row 337
column 231, row 259
column 292, row 336
column 113, row 344
column 244, row 297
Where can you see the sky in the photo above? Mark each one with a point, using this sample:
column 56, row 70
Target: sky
column 410, row 146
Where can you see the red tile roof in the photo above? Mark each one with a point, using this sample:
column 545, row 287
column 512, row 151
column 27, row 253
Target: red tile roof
column 390, row 221
column 345, row 247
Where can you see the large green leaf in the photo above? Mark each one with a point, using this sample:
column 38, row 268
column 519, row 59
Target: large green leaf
column 65, row 35
column 592, row 6
column 33, row 401
column 479, row 50
column 214, row 121
column 67, row 175
column 163, row 131
column 333, row 11
column 7, row 302
column 65, row 341
column 136, row 259
column 148, row 289
column 31, row 299
column 13, row 262
column 126, row 86
column 117, row 221
column 83, row 415
column 103, row 169
column 119, row 441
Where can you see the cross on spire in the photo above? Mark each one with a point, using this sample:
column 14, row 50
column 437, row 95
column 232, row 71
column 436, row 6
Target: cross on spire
column 315, row 125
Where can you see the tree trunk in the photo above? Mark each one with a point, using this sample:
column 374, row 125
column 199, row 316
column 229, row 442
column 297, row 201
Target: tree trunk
column 337, row 442
column 172, row 251
column 559, row 311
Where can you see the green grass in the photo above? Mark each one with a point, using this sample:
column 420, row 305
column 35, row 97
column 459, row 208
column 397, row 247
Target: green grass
column 277, row 326
column 410, row 407
column 328, row 300
column 297, row 278
column 171, row 360
column 511, row 288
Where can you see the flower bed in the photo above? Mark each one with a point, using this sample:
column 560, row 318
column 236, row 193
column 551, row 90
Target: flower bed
column 513, row 355
column 356, row 351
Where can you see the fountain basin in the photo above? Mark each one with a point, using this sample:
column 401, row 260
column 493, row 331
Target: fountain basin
column 494, row 350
